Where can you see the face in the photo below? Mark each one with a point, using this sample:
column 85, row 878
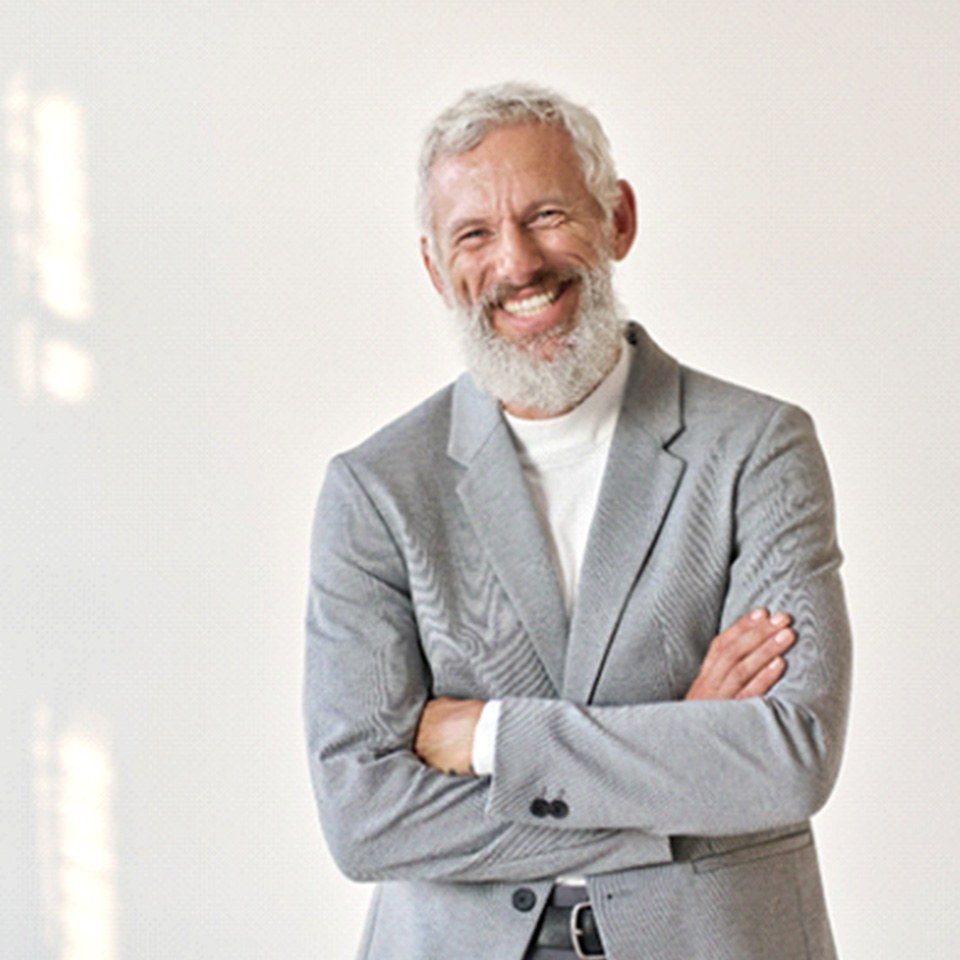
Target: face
column 522, row 246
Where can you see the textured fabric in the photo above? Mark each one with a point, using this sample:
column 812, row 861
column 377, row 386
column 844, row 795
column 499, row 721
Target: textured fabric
column 431, row 576
column 562, row 459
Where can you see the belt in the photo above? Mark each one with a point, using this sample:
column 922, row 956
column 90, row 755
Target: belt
column 568, row 923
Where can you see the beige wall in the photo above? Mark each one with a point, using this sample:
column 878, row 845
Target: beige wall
column 209, row 284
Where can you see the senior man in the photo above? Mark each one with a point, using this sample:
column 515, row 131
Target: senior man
column 520, row 720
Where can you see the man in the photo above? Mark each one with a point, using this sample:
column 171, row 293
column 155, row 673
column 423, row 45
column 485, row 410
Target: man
column 517, row 719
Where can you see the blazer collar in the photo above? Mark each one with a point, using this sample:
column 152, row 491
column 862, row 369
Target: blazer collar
column 652, row 400
column 638, row 486
column 497, row 501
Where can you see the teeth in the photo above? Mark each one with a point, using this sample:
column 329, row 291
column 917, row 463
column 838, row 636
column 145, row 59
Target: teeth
column 530, row 306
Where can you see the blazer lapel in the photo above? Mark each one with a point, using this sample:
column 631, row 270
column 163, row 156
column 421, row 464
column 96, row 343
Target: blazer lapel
column 497, row 501
column 638, row 486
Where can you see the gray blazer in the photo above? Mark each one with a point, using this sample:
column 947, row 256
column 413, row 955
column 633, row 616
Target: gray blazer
column 431, row 576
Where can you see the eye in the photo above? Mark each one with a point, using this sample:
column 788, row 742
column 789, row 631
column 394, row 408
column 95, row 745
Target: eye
column 549, row 217
column 472, row 237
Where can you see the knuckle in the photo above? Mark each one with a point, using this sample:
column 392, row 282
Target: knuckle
column 727, row 640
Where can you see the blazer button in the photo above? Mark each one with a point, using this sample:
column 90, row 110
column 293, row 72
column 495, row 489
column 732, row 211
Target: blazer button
column 524, row 899
column 558, row 809
column 540, row 807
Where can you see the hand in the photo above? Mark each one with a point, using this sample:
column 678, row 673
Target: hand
column 445, row 735
column 746, row 659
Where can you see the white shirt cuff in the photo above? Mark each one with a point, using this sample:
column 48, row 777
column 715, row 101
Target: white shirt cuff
column 485, row 739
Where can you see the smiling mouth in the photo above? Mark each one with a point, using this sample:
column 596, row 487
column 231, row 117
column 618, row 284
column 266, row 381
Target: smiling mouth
column 530, row 306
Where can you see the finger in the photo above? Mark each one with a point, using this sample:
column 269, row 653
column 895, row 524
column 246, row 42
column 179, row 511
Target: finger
column 743, row 638
column 752, row 650
column 764, row 680
column 723, row 673
column 749, row 631
column 749, row 621
column 766, row 653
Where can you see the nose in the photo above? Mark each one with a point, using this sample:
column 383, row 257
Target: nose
column 519, row 257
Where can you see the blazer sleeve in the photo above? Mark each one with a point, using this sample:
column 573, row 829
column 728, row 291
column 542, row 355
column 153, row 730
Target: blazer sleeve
column 385, row 814
column 712, row 768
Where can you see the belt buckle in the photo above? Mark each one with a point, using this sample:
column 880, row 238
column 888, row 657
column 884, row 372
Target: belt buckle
column 576, row 933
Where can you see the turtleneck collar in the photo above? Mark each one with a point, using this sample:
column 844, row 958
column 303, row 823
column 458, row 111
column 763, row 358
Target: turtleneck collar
column 576, row 433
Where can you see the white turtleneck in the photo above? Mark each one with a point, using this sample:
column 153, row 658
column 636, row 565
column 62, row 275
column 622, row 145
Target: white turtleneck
column 563, row 459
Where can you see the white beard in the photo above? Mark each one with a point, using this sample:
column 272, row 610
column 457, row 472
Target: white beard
column 519, row 377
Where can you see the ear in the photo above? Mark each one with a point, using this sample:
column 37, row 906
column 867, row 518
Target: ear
column 436, row 278
column 623, row 226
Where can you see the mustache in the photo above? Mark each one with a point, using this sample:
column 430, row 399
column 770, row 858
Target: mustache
column 555, row 278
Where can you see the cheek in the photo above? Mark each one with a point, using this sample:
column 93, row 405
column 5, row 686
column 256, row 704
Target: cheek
column 583, row 249
column 468, row 281
column 463, row 290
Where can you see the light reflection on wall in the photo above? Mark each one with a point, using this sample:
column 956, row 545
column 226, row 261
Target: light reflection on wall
column 47, row 194
column 63, row 229
column 73, row 787
column 66, row 371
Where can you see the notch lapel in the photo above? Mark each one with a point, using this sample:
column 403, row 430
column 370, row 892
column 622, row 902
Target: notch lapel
column 639, row 484
column 497, row 501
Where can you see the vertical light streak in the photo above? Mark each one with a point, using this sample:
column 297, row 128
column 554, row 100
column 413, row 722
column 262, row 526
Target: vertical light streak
column 88, row 909
column 62, row 224
column 47, row 194
column 73, row 790
column 16, row 106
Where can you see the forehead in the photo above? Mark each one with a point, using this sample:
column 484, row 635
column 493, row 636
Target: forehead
column 512, row 166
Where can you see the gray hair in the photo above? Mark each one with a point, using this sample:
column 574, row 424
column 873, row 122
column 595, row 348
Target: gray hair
column 478, row 113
